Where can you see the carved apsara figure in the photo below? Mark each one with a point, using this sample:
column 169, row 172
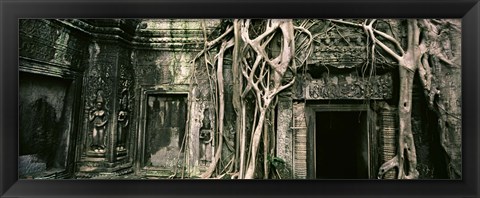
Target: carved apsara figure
column 122, row 120
column 98, row 118
column 205, row 139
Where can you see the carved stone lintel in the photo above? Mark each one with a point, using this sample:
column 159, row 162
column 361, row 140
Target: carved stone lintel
column 350, row 86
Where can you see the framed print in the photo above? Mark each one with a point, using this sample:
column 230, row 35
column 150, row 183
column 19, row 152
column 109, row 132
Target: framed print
column 244, row 99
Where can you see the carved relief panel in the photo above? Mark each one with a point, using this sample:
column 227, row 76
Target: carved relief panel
column 98, row 85
column 125, row 89
column 50, row 41
column 350, row 86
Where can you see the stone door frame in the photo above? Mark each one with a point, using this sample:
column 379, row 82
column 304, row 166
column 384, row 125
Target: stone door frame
column 311, row 109
column 142, row 124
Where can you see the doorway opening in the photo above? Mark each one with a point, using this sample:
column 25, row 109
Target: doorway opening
column 341, row 145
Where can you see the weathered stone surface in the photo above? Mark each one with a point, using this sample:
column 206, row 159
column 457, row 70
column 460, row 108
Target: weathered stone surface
column 30, row 164
column 387, row 132
column 194, row 134
column 45, row 117
column 300, row 141
column 165, row 131
column 173, row 34
column 285, row 135
column 50, row 41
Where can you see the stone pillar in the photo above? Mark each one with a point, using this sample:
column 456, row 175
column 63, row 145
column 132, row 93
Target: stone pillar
column 285, row 135
column 108, row 78
column 300, row 141
column 387, row 117
column 195, row 123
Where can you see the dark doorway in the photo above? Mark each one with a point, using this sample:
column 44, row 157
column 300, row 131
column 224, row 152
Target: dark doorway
column 341, row 145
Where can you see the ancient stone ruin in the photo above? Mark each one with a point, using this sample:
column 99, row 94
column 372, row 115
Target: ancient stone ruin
column 238, row 98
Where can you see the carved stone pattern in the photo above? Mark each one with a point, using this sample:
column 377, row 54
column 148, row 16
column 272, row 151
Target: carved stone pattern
column 43, row 40
column 387, row 138
column 300, row 143
column 37, row 48
column 172, row 37
column 350, row 87
column 126, row 81
column 342, row 47
column 99, row 76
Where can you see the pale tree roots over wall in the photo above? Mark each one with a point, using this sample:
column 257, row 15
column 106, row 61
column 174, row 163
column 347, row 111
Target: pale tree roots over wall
column 257, row 73
column 266, row 55
column 423, row 38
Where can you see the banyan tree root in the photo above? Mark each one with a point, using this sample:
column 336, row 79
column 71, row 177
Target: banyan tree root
column 424, row 41
column 262, row 76
column 265, row 76
column 406, row 158
column 443, row 54
column 408, row 62
column 221, row 111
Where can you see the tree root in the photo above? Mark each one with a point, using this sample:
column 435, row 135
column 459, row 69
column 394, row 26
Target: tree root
column 263, row 76
column 390, row 164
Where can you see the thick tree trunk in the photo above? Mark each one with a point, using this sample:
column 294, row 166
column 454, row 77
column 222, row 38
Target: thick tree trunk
column 237, row 89
column 441, row 78
column 407, row 158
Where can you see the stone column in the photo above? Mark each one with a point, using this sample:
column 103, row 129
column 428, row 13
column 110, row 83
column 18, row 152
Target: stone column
column 387, row 117
column 104, row 79
column 285, row 135
column 300, row 141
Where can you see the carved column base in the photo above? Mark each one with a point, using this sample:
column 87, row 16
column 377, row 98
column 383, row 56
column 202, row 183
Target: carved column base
column 94, row 154
column 92, row 167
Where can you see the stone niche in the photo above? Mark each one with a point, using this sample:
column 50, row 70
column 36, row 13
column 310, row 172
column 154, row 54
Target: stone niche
column 50, row 67
column 165, row 131
column 162, row 132
column 45, row 114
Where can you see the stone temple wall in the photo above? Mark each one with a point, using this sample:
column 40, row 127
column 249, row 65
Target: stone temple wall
column 162, row 58
column 120, row 93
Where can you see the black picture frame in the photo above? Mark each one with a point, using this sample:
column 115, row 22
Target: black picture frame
column 11, row 11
